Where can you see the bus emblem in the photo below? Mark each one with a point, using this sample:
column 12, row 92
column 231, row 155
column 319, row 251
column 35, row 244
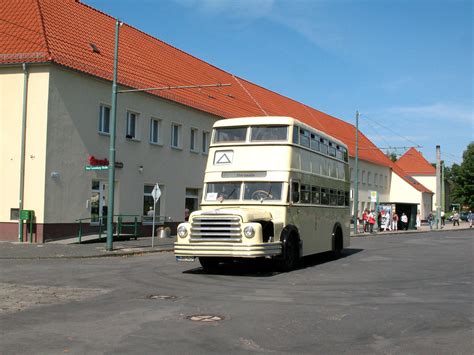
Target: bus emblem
column 223, row 157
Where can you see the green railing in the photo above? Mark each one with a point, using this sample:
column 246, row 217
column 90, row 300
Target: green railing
column 122, row 221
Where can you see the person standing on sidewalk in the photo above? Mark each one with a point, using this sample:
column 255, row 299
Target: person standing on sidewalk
column 431, row 220
column 418, row 220
column 395, row 221
column 404, row 220
column 470, row 217
column 365, row 217
column 456, row 218
column 371, row 221
column 443, row 218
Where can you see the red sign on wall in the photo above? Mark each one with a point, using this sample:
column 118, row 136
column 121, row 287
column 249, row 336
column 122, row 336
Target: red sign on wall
column 93, row 161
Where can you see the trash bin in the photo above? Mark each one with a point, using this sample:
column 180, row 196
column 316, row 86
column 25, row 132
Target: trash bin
column 164, row 232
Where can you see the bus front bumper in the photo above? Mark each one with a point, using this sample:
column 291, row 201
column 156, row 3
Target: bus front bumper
column 228, row 249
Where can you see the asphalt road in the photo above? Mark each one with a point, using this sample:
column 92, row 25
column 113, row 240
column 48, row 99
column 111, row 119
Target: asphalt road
column 386, row 295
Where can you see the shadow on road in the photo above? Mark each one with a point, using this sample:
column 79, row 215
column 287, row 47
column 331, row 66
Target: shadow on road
column 266, row 268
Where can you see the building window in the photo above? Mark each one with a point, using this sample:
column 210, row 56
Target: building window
column 193, row 139
column 148, row 202
column 205, row 142
column 192, row 201
column 132, row 125
column 363, row 177
column 104, row 119
column 369, row 177
column 175, row 135
column 376, row 179
column 155, row 128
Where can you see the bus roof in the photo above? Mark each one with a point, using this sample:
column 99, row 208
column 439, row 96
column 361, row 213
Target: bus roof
column 273, row 120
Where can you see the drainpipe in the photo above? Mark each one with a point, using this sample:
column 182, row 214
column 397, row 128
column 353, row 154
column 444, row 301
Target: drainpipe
column 22, row 150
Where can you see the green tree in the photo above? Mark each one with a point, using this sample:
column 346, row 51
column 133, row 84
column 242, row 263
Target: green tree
column 391, row 155
column 462, row 177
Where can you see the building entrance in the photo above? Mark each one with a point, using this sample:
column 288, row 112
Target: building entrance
column 99, row 202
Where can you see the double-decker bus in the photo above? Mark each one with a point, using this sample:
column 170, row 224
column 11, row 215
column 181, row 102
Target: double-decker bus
column 274, row 187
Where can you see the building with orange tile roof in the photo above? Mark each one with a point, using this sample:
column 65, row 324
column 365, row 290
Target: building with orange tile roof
column 63, row 51
column 416, row 166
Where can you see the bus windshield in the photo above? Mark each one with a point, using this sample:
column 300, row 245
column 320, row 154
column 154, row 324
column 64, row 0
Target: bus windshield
column 219, row 191
column 262, row 191
column 269, row 133
column 256, row 191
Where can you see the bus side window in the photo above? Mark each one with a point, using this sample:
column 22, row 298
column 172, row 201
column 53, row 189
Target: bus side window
column 295, row 191
column 315, row 199
column 305, row 194
column 324, row 196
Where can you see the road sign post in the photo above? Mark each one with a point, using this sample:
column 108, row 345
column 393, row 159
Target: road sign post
column 156, row 193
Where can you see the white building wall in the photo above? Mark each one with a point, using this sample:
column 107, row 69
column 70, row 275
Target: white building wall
column 428, row 181
column 73, row 121
column 380, row 179
column 11, row 110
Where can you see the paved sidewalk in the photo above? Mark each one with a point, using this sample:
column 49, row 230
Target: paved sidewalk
column 16, row 250
column 424, row 228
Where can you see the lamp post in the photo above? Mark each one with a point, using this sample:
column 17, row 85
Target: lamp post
column 113, row 124
column 356, row 174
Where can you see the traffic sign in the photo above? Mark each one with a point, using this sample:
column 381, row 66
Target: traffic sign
column 156, row 193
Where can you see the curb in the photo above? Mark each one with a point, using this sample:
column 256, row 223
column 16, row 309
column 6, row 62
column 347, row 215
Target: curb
column 406, row 232
column 114, row 255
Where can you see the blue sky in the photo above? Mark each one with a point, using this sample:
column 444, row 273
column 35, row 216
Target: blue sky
column 406, row 65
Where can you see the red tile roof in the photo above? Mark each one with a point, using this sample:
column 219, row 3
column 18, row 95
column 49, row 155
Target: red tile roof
column 414, row 163
column 63, row 32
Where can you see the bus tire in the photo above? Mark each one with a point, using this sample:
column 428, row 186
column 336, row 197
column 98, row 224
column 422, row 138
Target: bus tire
column 291, row 253
column 209, row 263
column 337, row 242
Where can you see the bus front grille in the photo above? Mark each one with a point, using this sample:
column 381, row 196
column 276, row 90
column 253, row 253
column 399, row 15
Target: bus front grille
column 215, row 229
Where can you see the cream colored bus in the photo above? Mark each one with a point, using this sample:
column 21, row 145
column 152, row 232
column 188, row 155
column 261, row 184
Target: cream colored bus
column 274, row 187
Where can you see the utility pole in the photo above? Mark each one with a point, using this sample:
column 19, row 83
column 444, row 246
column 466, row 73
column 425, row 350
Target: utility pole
column 356, row 175
column 438, row 186
column 443, row 197
column 113, row 124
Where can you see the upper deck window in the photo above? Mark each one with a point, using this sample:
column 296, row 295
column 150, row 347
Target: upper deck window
column 230, row 134
column 304, row 137
column 269, row 133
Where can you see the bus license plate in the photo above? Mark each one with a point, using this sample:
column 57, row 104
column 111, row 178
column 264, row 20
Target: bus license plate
column 185, row 258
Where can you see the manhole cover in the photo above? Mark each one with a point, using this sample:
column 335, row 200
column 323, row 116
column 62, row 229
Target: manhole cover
column 161, row 297
column 205, row 318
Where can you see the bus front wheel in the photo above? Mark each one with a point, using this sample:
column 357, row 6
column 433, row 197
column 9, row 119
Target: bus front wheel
column 291, row 254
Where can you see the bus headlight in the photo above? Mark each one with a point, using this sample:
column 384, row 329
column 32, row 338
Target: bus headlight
column 182, row 231
column 249, row 232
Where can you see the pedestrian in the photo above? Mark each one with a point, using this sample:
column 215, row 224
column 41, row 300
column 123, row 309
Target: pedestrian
column 395, row 221
column 470, row 217
column 365, row 217
column 431, row 219
column 443, row 218
column 404, row 220
column 418, row 220
column 186, row 214
column 456, row 218
column 387, row 223
column 371, row 220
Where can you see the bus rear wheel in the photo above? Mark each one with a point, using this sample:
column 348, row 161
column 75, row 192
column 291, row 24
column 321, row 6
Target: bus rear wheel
column 337, row 243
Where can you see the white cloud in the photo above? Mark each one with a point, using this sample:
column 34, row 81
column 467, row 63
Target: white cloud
column 444, row 111
column 236, row 8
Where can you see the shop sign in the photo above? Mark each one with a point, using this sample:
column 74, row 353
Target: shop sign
column 373, row 196
column 98, row 167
